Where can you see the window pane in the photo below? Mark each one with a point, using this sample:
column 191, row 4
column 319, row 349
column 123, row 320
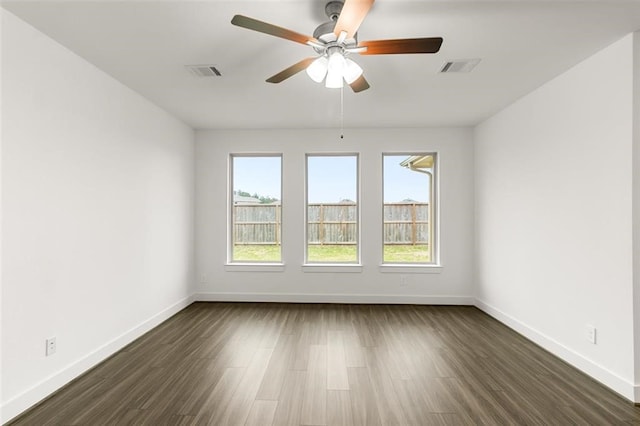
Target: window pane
column 408, row 208
column 332, row 209
column 256, row 210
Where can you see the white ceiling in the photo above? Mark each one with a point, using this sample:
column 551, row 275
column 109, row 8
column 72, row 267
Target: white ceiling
column 146, row 45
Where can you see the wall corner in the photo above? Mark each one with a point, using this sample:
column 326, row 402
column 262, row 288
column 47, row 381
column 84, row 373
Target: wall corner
column 636, row 210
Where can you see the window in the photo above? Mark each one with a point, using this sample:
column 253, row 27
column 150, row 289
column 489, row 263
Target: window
column 332, row 209
column 409, row 210
column 255, row 208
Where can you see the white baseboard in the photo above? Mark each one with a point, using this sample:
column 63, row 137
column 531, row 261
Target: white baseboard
column 334, row 298
column 19, row 403
column 599, row 373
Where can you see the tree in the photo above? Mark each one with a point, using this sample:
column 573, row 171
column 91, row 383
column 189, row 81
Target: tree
column 267, row 200
column 263, row 199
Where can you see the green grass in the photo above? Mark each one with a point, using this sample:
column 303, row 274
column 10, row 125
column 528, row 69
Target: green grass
column 332, row 253
column 257, row 253
column 406, row 254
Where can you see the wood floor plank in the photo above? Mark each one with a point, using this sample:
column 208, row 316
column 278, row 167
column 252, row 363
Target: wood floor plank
column 314, row 402
column 363, row 403
column 337, row 378
column 432, row 395
column 289, row 410
column 384, row 394
column 237, row 410
column 339, row 408
column 198, row 385
column 303, row 338
column 354, row 357
column 216, row 403
column 305, row 364
column 184, row 389
column 67, row 402
column 413, row 408
column 262, row 413
column 447, row 419
column 281, row 361
column 122, row 396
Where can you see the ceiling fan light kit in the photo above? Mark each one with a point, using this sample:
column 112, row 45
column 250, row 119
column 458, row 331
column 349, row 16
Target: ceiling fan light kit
column 318, row 69
column 334, row 41
column 351, row 71
column 333, row 80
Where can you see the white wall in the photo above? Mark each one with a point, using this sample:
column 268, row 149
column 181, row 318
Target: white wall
column 1, row 221
column 452, row 285
column 554, row 215
column 636, row 206
column 97, row 214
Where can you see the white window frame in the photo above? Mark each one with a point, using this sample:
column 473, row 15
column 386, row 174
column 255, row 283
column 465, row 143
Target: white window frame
column 352, row 266
column 433, row 266
column 243, row 265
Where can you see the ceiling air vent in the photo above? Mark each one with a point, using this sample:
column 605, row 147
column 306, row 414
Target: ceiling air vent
column 460, row 65
column 204, row 70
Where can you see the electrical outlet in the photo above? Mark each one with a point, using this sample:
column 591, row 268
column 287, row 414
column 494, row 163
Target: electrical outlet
column 590, row 333
column 51, row 346
column 203, row 278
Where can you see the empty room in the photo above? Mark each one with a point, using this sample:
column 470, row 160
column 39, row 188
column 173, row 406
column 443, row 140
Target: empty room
column 320, row 212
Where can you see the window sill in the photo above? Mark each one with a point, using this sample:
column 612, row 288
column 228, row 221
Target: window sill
column 411, row 269
column 332, row 267
column 254, row 267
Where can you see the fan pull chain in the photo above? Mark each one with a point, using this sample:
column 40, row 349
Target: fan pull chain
column 342, row 112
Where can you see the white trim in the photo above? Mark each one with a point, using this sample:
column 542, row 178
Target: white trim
column 434, row 200
column 254, row 267
column 230, row 196
column 410, row 269
column 21, row 402
column 587, row 366
column 334, row 298
column 332, row 267
column 306, row 204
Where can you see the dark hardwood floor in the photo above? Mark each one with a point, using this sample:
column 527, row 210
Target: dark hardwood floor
column 304, row 364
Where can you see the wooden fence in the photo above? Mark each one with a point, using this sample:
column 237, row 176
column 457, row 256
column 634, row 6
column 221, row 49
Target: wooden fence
column 332, row 223
column 256, row 223
column 404, row 223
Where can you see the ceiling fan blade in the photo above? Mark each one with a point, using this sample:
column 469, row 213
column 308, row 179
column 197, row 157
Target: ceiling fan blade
column 292, row 70
column 405, row 45
column 351, row 16
column 264, row 27
column 360, row 84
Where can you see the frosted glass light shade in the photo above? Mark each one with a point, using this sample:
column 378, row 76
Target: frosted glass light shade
column 336, row 63
column 334, row 79
column 318, row 69
column 351, row 71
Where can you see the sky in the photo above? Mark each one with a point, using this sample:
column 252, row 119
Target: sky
column 400, row 183
column 330, row 178
column 261, row 175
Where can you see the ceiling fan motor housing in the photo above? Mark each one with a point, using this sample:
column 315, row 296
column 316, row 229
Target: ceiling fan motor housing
column 325, row 29
column 333, row 9
column 324, row 32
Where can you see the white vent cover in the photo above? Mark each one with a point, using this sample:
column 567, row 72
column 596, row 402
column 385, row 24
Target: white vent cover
column 204, row 70
column 460, row 65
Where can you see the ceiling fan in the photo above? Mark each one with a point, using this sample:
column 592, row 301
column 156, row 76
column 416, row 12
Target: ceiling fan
column 334, row 41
